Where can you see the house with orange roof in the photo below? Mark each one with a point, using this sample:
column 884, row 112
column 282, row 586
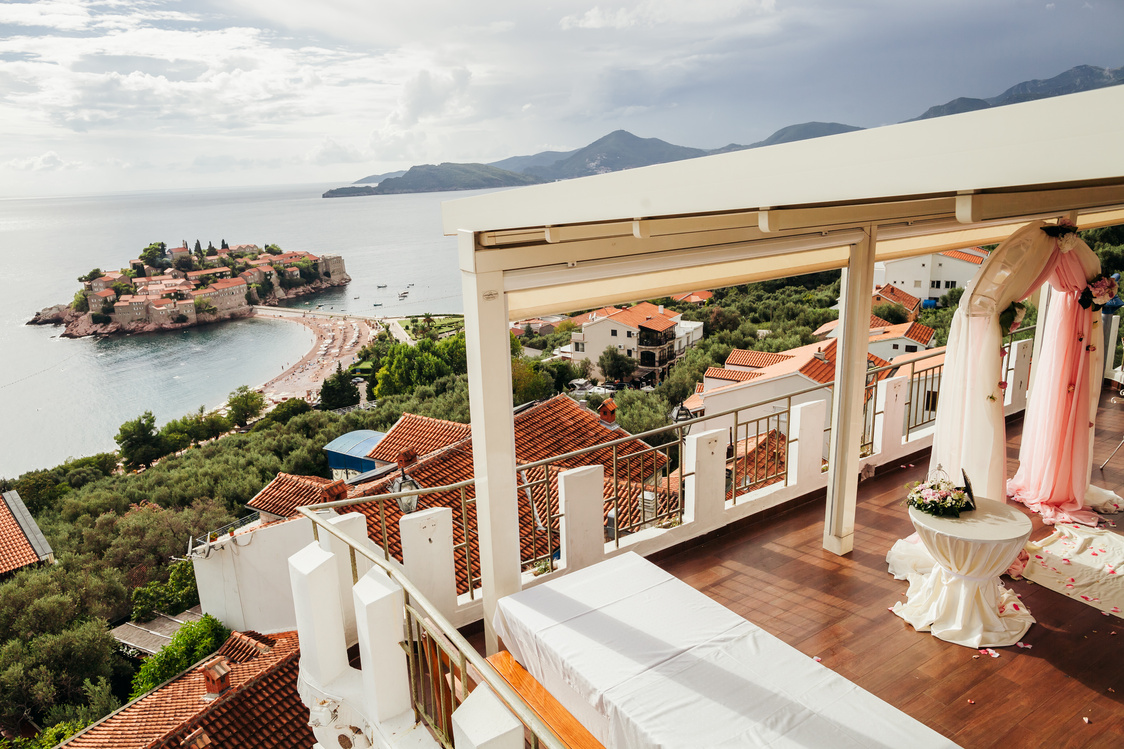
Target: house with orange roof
column 656, row 338
column 244, row 695
column 931, row 276
column 697, row 298
column 22, row 544
column 890, row 294
column 827, row 330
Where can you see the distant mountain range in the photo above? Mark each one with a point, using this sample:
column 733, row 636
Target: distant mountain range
column 621, row 149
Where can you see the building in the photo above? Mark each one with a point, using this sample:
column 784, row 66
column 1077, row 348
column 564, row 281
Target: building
column 697, row 298
column 931, row 276
column 331, row 266
column 225, row 294
column 245, row 695
column 656, row 338
column 348, row 453
column 890, row 294
column 22, row 544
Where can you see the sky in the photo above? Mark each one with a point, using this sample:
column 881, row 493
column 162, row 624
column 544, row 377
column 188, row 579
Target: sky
column 102, row 96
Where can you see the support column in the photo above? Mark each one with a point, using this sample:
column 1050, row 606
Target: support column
column 847, row 398
column 488, row 344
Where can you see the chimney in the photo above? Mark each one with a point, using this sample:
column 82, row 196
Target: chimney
column 216, row 675
column 661, row 309
column 608, row 412
column 820, row 355
column 407, row 458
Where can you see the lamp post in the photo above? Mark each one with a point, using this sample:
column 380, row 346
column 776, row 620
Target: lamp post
column 406, row 483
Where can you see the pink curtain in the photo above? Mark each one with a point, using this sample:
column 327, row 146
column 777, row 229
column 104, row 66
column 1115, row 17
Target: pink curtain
column 1055, row 453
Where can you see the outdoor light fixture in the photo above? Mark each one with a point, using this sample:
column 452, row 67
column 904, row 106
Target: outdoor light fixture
column 681, row 413
column 405, row 483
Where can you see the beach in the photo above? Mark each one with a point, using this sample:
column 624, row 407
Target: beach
column 338, row 341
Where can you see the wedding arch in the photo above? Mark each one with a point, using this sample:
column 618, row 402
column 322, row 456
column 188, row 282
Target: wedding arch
column 1055, row 456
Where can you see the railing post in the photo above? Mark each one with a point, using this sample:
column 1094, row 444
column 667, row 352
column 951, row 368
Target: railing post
column 704, row 456
column 355, row 526
column 378, row 603
column 1111, row 325
column 484, row 722
column 890, row 427
column 1020, row 375
column 316, row 598
column 427, row 556
column 581, row 500
column 807, row 423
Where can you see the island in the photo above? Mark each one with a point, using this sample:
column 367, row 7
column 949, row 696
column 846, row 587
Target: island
column 439, row 178
column 168, row 288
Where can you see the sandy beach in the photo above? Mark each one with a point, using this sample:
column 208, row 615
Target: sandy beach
column 338, row 340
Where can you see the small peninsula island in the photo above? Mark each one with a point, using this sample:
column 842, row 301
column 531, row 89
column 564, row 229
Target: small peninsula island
column 168, row 288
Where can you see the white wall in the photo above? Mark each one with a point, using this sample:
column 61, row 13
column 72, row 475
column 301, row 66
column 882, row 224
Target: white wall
column 244, row 582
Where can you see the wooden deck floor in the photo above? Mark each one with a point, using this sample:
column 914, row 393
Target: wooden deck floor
column 777, row 575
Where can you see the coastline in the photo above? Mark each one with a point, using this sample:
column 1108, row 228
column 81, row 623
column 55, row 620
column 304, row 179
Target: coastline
column 337, row 339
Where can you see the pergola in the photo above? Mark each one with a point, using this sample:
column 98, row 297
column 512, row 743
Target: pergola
column 839, row 202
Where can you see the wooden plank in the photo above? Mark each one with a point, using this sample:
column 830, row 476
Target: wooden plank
column 549, row 710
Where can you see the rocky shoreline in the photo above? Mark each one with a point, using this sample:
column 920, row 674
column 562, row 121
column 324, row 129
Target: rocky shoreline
column 81, row 324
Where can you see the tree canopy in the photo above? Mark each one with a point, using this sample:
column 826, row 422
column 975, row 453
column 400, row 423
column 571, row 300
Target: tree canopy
column 614, row 365
column 338, row 391
column 245, row 404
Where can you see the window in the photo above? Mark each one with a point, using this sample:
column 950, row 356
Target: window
column 895, row 347
column 613, row 332
column 934, row 284
column 579, row 347
column 910, row 349
column 628, row 334
column 950, row 284
column 931, row 400
column 917, row 284
column 628, row 352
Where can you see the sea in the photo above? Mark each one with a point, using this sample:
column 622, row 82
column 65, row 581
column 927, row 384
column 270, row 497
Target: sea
column 63, row 398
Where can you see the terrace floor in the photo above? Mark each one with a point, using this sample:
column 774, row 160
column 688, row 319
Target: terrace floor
column 776, row 574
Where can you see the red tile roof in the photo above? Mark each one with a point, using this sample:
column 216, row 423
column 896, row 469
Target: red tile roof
column 914, row 331
column 756, row 359
column 105, row 293
column 967, row 257
column 645, row 315
column 421, row 433
column 15, row 549
column 227, row 283
column 287, row 492
column 830, row 325
column 735, row 375
column 694, row 297
column 580, row 320
column 823, row 369
column 261, row 708
column 896, row 295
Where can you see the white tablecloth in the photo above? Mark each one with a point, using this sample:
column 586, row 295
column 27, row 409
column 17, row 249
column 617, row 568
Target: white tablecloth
column 644, row 660
column 954, row 588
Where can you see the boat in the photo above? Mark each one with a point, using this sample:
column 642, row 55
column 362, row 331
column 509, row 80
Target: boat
column 381, row 286
column 377, row 304
column 409, row 285
column 356, row 297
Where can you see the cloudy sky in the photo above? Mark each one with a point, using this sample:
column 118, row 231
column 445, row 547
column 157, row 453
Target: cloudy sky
column 112, row 95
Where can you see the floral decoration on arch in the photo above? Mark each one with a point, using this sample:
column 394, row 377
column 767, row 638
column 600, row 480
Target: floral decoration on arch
column 1100, row 291
column 1065, row 231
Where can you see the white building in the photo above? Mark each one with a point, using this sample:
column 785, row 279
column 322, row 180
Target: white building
column 931, row 276
column 656, row 338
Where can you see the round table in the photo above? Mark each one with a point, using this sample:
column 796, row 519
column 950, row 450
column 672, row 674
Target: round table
column 961, row 599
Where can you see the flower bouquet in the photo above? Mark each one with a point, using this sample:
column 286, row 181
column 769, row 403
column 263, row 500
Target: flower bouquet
column 1100, row 291
column 1011, row 318
column 937, row 495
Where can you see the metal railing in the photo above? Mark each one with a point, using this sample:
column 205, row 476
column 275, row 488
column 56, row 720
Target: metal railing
column 442, row 666
column 218, row 533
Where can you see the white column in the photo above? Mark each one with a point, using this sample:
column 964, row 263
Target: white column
column 379, row 607
column 484, row 722
column 581, row 500
column 316, row 597
column 488, row 345
column 354, row 524
column 704, row 498
column 847, row 400
column 889, row 428
column 427, row 555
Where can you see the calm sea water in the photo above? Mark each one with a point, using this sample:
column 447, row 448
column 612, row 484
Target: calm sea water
column 63, row 398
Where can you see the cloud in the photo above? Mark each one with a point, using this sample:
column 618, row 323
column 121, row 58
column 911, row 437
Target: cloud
column 329, row 152
column 61, row 16
column 430, row 94
column 44, row 162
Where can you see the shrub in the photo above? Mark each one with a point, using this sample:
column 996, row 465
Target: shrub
column 192, row 643
column 99, row 319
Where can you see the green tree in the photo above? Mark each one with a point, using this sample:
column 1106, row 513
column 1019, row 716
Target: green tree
column 192, row 643
column 153, row 254
column 245, row 404
column 614, row 365
column 638, row 411
column 100, row 701
column 95, row 273
column 80, row 302
column 198, row 247
column 338, row 391
column 890, row 312
column 285, row 411
column 273, row 249
column 184, row 263
column 177, row 594
column 529, row 382
column 223, row 245
column 204, row 307
column 139, row 442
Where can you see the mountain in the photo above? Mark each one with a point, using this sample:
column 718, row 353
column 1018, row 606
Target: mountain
column 521, row 163
column 374, row 179
column 430, row 178
column 618, row 150
column 621, row 149
column 1080, row 78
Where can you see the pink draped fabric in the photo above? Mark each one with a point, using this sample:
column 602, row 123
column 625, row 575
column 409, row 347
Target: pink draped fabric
column 1054, row 455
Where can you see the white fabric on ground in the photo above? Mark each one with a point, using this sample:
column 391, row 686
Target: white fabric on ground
column 959, row 598
column 1081, row 562
column 660, row 664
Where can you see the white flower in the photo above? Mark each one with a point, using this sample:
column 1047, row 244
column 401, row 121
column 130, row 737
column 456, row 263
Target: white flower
column 1067, row 242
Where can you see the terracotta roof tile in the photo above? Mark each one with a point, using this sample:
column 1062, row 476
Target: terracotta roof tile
column 261, row 708
column 645, row 315
column 15, row 548
column 287, row 492
column 419, row 432
column 694, row 297
column 830, row 325
column 823, row 369
column 735, row 375
column 580, row 320
column 756, row 359
column 965, row 256
column 896, row 295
